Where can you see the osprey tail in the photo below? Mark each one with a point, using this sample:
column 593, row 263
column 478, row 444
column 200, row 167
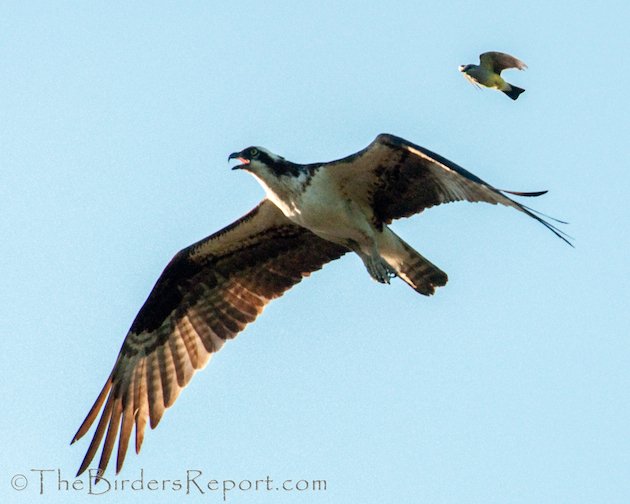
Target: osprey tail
column 513, row 91
column 416, row 271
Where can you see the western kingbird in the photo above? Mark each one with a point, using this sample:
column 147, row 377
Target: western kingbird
column 488, row 72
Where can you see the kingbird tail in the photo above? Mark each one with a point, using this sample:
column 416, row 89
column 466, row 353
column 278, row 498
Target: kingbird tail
column 416, row 271
column 513, row 91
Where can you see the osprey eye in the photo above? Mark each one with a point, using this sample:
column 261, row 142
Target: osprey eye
column 253, row 152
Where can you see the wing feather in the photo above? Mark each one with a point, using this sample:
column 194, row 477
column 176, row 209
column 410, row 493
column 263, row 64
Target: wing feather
column 206, row 295
column 154, row 388
column 183, row 367
column 498, row 61
column 141, row 403
column 112, row 431
column 168, row 375
column 186, row 332
column 125, row 429
column 98, row 435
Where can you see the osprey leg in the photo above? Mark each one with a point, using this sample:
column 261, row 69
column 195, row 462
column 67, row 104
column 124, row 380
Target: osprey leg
column 378, row 268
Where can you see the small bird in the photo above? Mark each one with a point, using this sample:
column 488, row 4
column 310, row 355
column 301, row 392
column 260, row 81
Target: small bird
column 313, row 214
column 488, row 73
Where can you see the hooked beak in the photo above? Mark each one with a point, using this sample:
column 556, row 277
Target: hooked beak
column 239, row 156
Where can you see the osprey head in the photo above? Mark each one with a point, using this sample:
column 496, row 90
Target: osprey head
column 264, row 165
column 273, row 172
column 254, row 158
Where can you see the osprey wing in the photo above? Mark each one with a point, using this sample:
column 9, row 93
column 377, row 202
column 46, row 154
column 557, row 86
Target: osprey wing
column 206, row 295
column 498, row 61
column 399, row 179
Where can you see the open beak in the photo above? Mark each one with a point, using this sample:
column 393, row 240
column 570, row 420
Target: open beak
column 239, row 156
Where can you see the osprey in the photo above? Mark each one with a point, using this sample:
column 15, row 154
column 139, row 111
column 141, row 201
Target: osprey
column 312, row 214
column 488, row 72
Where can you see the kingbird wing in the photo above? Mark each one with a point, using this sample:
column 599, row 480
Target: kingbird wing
column 398, row 179
column 498, row 61
column 206, row 295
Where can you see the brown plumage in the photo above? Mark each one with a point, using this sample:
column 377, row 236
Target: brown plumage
column 206, row 295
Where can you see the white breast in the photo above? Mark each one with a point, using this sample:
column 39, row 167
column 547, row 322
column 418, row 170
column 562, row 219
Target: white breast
column 325, row 209
column 320, row 205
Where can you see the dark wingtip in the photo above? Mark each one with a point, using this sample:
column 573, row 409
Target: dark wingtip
column 98, row 476
column 532, row 194
column 558, row 232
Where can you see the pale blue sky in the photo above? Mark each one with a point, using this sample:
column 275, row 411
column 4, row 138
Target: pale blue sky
column 510, row 385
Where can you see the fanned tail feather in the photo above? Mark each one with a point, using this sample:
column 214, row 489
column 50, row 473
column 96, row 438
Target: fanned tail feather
column 514, row 92
column 416, row 271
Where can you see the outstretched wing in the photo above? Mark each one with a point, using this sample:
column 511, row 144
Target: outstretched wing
column 206, row 295
column 498, row 61
column 398, row 179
